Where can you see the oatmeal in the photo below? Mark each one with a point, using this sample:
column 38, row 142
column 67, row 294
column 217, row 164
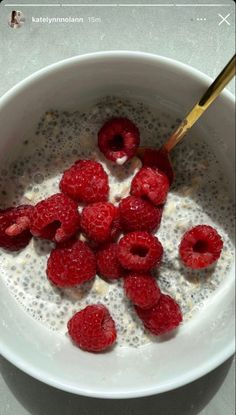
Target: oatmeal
column 198, row 196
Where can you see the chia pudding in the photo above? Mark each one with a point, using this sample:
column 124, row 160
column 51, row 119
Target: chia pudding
column 198, row 196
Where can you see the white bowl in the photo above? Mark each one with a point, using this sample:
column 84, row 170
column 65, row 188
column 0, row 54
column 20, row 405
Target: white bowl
column 207, row 339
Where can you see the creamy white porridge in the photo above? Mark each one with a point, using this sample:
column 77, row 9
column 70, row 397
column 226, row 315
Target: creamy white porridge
column 198, row 196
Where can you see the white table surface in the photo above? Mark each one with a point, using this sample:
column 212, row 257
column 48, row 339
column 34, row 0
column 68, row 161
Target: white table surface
column 201, row 36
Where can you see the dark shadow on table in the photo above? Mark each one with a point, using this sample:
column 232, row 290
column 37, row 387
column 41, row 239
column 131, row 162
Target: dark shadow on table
column 40, row 399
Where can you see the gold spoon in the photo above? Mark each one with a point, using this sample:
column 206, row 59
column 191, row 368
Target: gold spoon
column 162, row 155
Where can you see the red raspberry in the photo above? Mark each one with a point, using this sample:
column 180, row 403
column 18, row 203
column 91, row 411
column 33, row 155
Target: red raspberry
column 85, row 181
column 100, row 221
column 14, row 227
column 162, row 317
column 107, row 262
column 118, row 139
column 92, row 328
column 142, row 290
column 139, row 251
column 200, row 247
column 56, row 218
column 159, row 159
column 71, row 263
column 137, row 214
column 150, row 183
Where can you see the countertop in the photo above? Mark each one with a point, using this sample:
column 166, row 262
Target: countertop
column 200, row 34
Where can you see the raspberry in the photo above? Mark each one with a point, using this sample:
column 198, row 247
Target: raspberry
column 107, row 262
column 139, row 251
column 14, row 227
column 159, row 159
column 118, row 139
column 150, row 183
column 100, row 221
column 86, row 181
column 162, row 317
column 71, row 263
column 200, row 247
column 142, row 290
column 137, row 214
column 92, row 328
column 56, row 218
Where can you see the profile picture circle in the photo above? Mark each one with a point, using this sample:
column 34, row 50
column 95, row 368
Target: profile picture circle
column 16, row 19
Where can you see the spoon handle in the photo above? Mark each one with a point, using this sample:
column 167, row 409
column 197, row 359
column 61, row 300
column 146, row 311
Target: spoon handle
column 206, row 100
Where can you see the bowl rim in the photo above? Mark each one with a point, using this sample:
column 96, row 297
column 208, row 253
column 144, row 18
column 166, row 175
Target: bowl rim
column 193, row 374
column 205, row 79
